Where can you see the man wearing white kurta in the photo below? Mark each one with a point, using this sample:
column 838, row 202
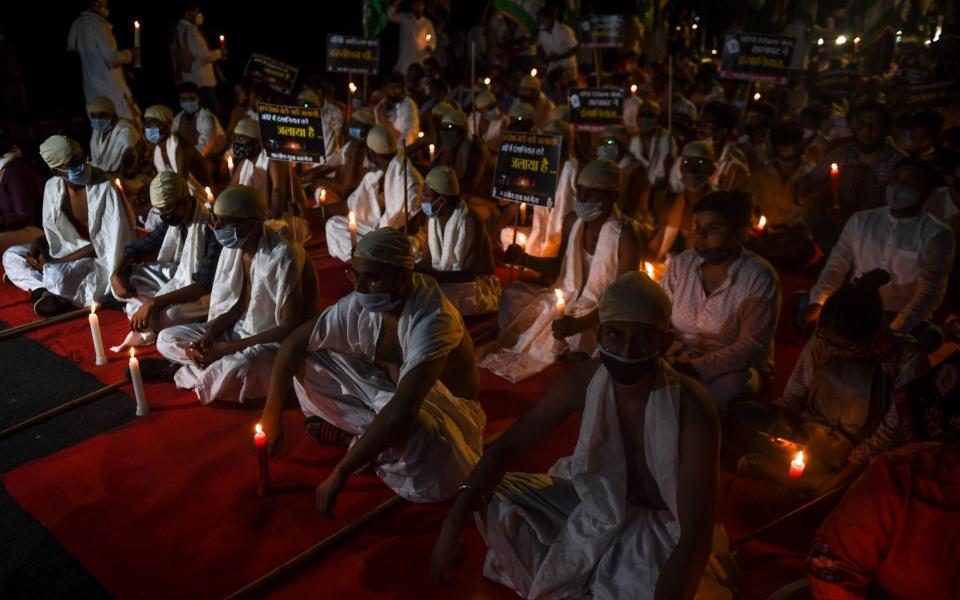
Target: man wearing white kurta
column 195, row 59
column 389, row 371
column 598, row 245
column 331, row 118
column 544, row 234
column 458, row 253
column 652, row 145
column 86, row 225
column 262, row 290
column 175, row 288
column 417, row 36
column 116, row 146
column 170, row 152
column 630, row 514
column 399, row 112
column 91, row 36
column 558, row 42
column 197, row 124
column 487, row 122
column 379, row 199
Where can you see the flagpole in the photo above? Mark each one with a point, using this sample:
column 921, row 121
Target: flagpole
column 473, row 85
column 670, row 97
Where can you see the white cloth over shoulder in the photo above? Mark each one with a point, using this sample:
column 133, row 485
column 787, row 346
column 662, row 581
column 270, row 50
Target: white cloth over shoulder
column 91, row 37
column 573, row 533
column 165, row 159
column 107, row 150
column 374, row 208
column 528, row 345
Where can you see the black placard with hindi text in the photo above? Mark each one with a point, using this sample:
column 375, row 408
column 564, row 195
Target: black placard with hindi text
column 528, row 166
column 592, row 109
column 837, row 83
column 757, row 57
column 275, row 74
column 291, row 133
column 352, row 54
column 601, row 31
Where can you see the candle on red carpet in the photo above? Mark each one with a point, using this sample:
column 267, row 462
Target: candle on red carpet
column 137, row 380
column 761, row 224
column 797, row 466
column 263, row 472
column 97, row 338
column 835, row 182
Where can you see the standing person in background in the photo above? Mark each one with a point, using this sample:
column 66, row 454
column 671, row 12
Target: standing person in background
column 418, row 39
column 557, row 42
column 193, row 59
column 91, row 37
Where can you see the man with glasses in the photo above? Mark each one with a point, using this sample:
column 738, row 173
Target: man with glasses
column 630, row 513
column 467, row 156
column 263, row 289
column 86, row 226
column 175, row 288
column 388, row 374
column 673, row 213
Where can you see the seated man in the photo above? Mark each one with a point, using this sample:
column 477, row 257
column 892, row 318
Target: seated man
column 263, row 289
column 630, row 513
column 458, row 253
column 672, row 214
column 914, row 247
column 116, row 146
column 331, row 117
column 175, row 288
column 614, row 145
column 86, row 225
column 336, row 179
column 197, row 125
column 895, row 531
column 380, row 198
column 468, row 157
column 389, row 372
column 528, row 91
column 276, row 180
column 598, row 245
column 21, row 197
column 543, row 236
column 398, row 112
column 726, row 301
column 717, row 123
column 653, row 145
column 487, row 123
column 170, row 152
column 839, row 402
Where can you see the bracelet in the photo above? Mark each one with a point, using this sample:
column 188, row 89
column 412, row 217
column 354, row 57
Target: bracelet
column 476, row 488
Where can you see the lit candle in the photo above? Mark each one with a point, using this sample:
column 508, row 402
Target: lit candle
column 352, row 87
column 432, row 150
column 137, row 381
column 263, row 471
column 756, row 97
column 633, row 89
column 119, row 184
column 761, row 223
column 522, row 242
column 419, row 134
column 209, row 194
column 648, row 268
column 835, row 182
column 352, row 225
column 429, row 37
column 323, row 195
column 486, row 81
column 533, row 72
column 223, row 41
column 523, row 213
column 136, row 34
column 230, row 165
column 797, row 466
column 561, row 302
column 95, row 332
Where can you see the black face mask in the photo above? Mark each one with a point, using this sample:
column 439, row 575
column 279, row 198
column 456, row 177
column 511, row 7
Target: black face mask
column 715, row 256
column 449, row 139
column 242, row 151
column 171, row 219
column 628, row 373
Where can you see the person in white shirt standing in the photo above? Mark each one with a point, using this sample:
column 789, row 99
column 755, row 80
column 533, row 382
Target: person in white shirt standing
column 194, row 59
column 558, row 43
column 916, row 248
column 418, row 39
column 91, row 37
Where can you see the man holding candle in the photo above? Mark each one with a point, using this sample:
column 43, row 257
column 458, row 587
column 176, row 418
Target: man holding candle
column 389, row 373
column 630, row 513
column 487, row 123
column 263, row 289
column 117, row 148
column 398, row 111
column 379, row 199
column 86, row 225
column 175, row 288
column 171, row 152
column 194, row 59
column 597, row 245
column 342, row 173
column 458, row 253
column 417, row 39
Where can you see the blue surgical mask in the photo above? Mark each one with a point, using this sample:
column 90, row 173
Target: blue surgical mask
column 355, row 133
column 379, row 302
column 152, row 134
column 427, row 208
column 191, row 107
column 588, row 211
column 490, row 115
column 227, row 236
column 101, row 125
column 609, row 151
column 79, row 175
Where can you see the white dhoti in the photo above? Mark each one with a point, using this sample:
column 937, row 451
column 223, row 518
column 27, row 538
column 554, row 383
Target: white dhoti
column 69, row 279
column 233, row 378
column 572, row 533
column 440, row 451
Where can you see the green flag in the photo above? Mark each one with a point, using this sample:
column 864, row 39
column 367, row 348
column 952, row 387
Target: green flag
column 375, row 16
column 521, row 12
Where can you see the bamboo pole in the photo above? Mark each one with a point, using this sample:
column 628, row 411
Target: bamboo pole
column 757, row 532
column 85, row 399
column 27, row 327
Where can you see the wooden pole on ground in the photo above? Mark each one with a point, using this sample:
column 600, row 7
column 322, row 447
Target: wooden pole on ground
column 21, row 329
column 85, row 399
column 757, row 532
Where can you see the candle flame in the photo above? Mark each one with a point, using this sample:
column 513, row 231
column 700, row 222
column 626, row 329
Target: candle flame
column 432, row 149
column 419, row 134
column 258, row 428
column 353, row 87
column 521, row 240
column 756, row 97
column 222, row 38
column 486, row 81
column 649, row 269
column 533, row 72
column 633, row 89
column 559, row 294
column 230, row 163
column 353, row 218
column 798, row 460
column 136, row 24
column 429, row 37
column 119, row 184
column 323, row 193
column 834, row 168
column 762, row 223
column 209, row 193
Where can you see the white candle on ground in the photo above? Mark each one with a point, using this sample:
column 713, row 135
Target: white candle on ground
column 352, row 225
column 137, row 381
column 95, row 333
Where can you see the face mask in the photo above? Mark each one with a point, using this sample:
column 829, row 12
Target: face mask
column 79, row 175
column 900, row 196
column 227, row 237
column 191, row 107
column 199, row 19
column 608, row 151
column 173, row 220
column 628, row 372
column 490, row 115
column 647, row 124
column 715, row 256
column 378, row 303
column 432, row 209
column 355, row 133
column 242, row 151
column 101, row 125
column 588, row 211
column 695, row 181
column 152, row 134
